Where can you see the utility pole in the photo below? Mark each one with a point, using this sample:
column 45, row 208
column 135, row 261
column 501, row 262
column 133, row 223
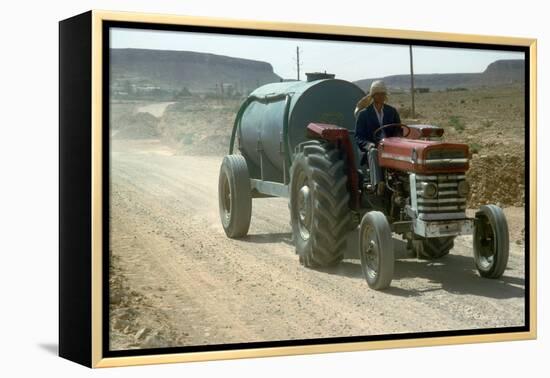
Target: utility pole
column 298, row 62
column 412, row 80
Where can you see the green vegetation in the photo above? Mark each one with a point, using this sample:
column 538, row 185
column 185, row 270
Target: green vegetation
column 475, row 148
column 457, row 123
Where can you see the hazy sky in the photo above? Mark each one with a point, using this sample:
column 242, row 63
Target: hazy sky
column 348, row 60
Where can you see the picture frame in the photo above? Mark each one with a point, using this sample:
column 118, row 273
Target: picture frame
column 85, row 165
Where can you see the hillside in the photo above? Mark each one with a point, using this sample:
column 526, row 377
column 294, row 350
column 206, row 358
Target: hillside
column 500, row 72
column 150, row 70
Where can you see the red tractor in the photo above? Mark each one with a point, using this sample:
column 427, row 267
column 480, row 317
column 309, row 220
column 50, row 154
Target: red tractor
column 315, row 164
column 425, row 200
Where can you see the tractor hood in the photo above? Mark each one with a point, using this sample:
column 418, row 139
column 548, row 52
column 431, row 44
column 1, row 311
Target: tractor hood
column 423, row 156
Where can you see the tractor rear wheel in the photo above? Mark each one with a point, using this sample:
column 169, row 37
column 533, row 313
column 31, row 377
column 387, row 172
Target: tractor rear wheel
column 433, row 248
column 491, row 241
column 319, row 208
column 235, row 197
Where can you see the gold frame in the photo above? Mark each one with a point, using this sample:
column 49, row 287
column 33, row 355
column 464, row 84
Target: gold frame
column 99, row 16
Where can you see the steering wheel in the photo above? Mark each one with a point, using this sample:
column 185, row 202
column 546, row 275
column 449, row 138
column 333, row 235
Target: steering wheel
column 392, row 125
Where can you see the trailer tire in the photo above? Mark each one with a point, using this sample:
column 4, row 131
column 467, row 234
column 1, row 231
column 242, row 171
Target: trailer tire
column 235, row 197
column 319, row 205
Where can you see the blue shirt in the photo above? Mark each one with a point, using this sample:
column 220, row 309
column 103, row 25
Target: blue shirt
column 367, row 122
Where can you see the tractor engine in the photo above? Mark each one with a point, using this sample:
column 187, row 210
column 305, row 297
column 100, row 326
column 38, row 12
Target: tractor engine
column 429, row 180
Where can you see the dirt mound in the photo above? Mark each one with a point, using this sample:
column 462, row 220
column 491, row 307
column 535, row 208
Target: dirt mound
column 199, row 127
column 136, row 126
column 209, row 145
column 496, row 179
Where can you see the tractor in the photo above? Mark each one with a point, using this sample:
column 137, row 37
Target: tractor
column 296, row 140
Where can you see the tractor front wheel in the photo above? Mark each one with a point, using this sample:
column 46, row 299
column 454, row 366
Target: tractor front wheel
column 491, row 241
column 376, row 250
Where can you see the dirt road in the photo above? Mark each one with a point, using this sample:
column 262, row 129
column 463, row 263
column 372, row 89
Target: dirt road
column 176, row 279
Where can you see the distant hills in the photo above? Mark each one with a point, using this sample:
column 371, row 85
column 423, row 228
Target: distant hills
column 135, row 72
column 148, row 70
column 500, row 72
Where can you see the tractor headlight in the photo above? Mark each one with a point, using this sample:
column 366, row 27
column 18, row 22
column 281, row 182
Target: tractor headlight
column 463, row 188
column 429, row 190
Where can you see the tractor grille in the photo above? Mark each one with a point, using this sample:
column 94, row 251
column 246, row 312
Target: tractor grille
column 447, row 199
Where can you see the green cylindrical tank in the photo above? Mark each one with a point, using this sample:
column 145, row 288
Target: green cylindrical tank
column 273, row 119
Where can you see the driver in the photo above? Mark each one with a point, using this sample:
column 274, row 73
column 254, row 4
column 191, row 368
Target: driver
column 371, row 113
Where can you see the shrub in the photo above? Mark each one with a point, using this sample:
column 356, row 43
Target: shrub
column 457, row 123
column 475, row 148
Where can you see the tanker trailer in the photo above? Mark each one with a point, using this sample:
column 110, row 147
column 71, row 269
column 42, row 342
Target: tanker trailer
column 270, row 127
column 294, row 140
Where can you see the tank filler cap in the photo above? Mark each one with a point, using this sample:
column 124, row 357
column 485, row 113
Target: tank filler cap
column 311, row 76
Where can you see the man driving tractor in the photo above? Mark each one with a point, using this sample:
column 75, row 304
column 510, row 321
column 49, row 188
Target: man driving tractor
column 371, row 113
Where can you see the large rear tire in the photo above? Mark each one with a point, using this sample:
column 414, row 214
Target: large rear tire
column 319, row 205
column 235, row 197
column 491, row 241
column 433, row 248
column 376, row 250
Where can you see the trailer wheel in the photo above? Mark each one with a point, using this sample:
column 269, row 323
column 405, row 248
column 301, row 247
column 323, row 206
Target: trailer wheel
column 491, row 241
column 376, row 250
column 319, row 208
column 234, row 194
column 433, row 248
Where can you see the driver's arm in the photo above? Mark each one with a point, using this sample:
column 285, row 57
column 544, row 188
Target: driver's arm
column 363, row 136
